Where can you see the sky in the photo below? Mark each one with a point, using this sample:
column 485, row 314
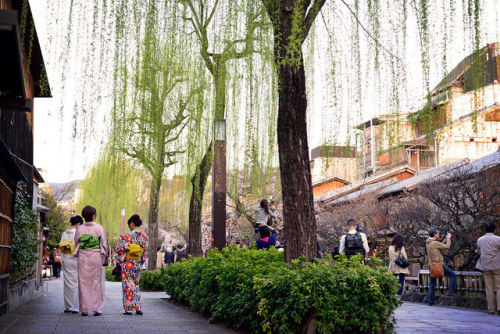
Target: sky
column 65, row 156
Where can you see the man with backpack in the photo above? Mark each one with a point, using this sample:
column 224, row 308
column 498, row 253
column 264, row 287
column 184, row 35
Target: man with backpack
column 354, row 242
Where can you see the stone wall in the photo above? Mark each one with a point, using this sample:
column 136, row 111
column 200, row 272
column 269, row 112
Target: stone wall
column 20, row 294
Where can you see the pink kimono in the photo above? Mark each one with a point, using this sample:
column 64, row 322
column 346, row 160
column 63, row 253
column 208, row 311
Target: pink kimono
column 90, row 269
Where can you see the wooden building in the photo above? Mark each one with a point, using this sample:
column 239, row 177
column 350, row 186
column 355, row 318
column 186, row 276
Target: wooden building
column 22, row 78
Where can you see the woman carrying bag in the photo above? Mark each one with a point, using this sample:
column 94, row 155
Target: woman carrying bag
column 132, row 254
column 398, row 261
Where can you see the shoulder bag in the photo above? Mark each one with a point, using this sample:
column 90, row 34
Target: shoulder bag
column 436, row 269
column 401, row 261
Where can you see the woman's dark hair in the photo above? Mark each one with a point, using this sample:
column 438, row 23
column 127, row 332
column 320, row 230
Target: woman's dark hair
column 135, row 219
column 88, row 213
column 75, row 220
column 264, row 232
column 264, row 204
column 397, row 241
column 432, row 232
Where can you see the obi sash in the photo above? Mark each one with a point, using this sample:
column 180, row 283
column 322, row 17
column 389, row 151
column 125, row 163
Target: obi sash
column 67, row 246
column 134, row 251
column 89, row 241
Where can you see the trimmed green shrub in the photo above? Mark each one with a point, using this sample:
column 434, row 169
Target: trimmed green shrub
column 151, row 280
column 110, row 277
column 258, row 291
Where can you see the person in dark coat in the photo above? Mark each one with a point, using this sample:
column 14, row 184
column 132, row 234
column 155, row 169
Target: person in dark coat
column 169, row 256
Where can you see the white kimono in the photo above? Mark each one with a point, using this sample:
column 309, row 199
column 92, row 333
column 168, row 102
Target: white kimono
column 70, row 276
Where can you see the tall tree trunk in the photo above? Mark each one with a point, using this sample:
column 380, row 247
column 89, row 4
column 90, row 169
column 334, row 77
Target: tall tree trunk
column 198, row 181
column 154, row 197
column 298, row 206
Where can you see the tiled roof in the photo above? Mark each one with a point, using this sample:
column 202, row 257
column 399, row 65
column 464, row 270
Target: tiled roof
column 475, row 166
column 421, row 177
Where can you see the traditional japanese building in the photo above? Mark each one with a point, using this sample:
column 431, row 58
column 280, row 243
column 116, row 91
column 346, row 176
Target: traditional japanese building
column 22, row 78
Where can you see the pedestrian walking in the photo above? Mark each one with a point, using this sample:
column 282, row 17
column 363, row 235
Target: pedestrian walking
column 489, row 263
column 354, row 242
column 263, row 213
column 70, row 265
column 90, row 241
column 55, row 259
column 132, row 251
column 436, row 266
column 397, row 250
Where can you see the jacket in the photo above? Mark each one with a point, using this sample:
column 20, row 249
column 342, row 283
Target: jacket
column 393, row 255
column 434, row 248
column 489, row 248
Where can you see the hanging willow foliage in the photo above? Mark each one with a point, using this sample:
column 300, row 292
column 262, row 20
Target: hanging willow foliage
column 362, row 59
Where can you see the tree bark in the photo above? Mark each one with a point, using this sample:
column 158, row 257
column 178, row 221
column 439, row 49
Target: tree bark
column 198, row 181
column 154, row 197
column 298, row 206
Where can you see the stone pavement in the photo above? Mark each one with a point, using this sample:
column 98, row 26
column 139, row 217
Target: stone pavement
column 43, row 314
column 422, row 318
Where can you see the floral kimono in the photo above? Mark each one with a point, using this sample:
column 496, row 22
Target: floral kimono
column 132, row 251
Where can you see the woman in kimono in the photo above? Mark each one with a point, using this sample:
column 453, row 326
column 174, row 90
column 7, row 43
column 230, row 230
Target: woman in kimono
column 90, row 242
column 132, row 254
column 70, row 265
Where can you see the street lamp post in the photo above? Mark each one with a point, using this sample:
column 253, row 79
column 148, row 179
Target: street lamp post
column 219, row 185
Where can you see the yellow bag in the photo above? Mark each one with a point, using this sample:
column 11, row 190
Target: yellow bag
column 134, row 251
column 67, row 246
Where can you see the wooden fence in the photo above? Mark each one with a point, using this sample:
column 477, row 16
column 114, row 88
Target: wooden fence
column 467, row 282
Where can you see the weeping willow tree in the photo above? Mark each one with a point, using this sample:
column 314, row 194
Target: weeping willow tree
column 334, row 64
column 216, row 55
column 111, row 184
column 153, row 113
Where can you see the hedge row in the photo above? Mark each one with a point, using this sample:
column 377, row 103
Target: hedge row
column 258, row 291
column 150, row 279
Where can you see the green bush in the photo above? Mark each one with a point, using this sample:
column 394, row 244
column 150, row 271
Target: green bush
column 151, row 280
column 258, row 291
column 110, row 277
column 25, row 240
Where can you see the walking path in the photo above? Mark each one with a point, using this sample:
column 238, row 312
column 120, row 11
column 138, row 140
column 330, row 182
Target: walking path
column 43, row 314
column 422, row 318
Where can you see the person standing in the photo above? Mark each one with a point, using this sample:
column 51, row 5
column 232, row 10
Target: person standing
column 263, row 213
column 90, row 241
column 159, row 259
column 354, row 242
column 180, row 253
column 396, row 250
column 169, row 256
column 434, row 248
column 132, row 254
column 70, row 265
column 489, row 263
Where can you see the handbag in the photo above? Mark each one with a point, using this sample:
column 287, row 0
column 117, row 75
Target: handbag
column 401, row 261
column 436, row 269
column 117, row 270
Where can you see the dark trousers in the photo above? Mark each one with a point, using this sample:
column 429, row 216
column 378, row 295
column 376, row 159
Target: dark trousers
column 401, row 279
column 453, row 283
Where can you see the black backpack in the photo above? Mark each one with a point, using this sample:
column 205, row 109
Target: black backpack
column 354, row 244
column 181, row 255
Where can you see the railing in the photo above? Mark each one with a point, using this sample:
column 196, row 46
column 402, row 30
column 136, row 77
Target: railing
column 467, row 282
